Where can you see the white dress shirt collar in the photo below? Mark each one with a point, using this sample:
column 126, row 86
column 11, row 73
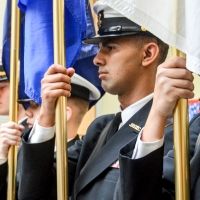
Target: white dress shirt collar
column 128, row 112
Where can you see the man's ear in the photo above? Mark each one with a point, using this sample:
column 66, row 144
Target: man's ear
column 69, row 113
column 150, row 53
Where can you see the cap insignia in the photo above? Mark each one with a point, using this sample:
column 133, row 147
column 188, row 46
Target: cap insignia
column 100, row 18
column 143, row 28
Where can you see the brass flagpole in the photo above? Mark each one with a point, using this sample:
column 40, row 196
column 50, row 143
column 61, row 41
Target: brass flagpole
column 61, row 130
column 181, row 147
column 13, row 107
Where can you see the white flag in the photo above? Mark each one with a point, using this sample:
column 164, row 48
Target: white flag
column 176, row 22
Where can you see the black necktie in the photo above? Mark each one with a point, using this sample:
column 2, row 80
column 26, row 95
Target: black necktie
column 114, row 126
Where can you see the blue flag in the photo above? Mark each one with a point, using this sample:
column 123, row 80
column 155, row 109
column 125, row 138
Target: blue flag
column 84, row 65
column 38, row 38
column 6, row 47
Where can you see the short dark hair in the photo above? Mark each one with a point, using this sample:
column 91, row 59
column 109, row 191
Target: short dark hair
column 163, row 47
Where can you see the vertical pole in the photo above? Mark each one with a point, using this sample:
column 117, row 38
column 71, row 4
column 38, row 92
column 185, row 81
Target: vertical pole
column 61, row 130
column 13, row 107
column 181, row 148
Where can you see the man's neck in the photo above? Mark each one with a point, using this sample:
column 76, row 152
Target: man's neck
column 126, row 101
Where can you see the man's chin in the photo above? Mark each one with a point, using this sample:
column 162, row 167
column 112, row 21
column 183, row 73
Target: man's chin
column 2, row 112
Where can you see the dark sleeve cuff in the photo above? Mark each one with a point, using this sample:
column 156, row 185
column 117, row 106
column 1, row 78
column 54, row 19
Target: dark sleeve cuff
column 3, row 180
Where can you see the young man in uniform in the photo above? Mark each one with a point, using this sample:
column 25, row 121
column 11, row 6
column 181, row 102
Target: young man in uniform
column 82, row 92
column 129, row 62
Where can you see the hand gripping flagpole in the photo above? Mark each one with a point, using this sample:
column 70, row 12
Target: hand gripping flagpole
column 13, row 106
column 61, row 130
column 181, row 147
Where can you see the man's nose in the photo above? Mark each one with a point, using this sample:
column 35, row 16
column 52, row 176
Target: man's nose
column 99, row 59
column 29, row 114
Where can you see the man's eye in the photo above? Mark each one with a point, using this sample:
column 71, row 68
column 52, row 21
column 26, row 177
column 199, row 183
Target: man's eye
column 109, row 47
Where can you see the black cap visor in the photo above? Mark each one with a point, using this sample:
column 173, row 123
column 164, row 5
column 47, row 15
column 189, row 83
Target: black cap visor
column 99, row 38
